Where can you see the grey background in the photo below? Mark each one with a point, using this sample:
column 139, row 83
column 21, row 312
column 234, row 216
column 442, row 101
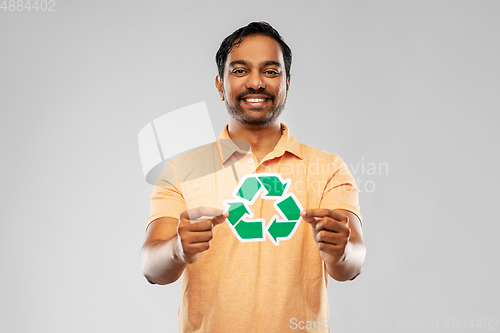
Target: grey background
column 410, row 85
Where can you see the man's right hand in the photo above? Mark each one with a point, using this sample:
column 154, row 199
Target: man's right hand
column 195, row 230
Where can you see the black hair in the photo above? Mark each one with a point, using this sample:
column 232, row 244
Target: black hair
column 252, row 29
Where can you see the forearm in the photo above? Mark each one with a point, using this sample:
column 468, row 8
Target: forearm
column 161, row 263
column 351, row 265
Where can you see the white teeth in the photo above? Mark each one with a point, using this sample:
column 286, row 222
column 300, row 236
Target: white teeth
column 255, row 100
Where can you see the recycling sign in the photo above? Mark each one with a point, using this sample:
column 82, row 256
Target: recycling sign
column 272, row 187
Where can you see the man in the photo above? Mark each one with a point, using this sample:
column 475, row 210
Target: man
column 231, row 284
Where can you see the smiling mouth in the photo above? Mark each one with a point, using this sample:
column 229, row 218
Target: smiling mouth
column 255, row 100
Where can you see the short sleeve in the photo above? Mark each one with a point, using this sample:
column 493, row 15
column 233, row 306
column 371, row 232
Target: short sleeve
column 341, row 191
column 166, row 198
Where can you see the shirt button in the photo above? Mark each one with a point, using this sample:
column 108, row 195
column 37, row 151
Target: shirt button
column 250, row 161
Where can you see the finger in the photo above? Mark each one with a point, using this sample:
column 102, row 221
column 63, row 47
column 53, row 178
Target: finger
column 200, row 212
column 200, row 236
column 322, row 212
column 327, row 223
column 197, row 248
column 333, row 250
column 329, row 237
column 220, row 218
column 336, row 215
column 191, row 226
column 309, row 218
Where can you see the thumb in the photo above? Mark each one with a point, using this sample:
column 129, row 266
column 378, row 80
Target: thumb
column 309, row 218
column 220, row 218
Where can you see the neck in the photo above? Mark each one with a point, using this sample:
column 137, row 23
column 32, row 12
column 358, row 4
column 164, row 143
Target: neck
column 262, row 140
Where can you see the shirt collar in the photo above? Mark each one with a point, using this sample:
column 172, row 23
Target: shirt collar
column 286, row 143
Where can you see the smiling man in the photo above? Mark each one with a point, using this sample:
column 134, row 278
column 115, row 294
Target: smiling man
column 274, row 278
column 264, row 98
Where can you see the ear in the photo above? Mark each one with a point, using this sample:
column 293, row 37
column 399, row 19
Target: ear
column 220, row 87
column 288, row 83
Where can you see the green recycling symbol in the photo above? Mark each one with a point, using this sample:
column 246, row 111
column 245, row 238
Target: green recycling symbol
column 273, row 187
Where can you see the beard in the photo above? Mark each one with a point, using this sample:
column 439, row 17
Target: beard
column 260, row 117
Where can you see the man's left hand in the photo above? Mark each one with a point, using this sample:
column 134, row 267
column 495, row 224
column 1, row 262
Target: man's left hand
column 330, row 230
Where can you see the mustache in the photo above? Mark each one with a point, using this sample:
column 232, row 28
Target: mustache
column 251, row 91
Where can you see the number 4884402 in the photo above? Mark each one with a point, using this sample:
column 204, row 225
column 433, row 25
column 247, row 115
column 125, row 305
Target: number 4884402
column 21, row 5
column 471, row 324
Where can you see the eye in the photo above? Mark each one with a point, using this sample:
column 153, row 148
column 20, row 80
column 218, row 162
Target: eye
column 238, row 71
column 272, row 72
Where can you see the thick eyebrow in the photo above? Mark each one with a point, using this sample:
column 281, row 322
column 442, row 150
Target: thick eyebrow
column 238, row 62
column 262, row 64
column 270, row 63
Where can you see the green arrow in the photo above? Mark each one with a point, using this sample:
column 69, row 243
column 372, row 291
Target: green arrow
column 280, row 228
column 249, row 230
column 289, row 208
column 273, row 185
column 236, row 211
column 249, row 188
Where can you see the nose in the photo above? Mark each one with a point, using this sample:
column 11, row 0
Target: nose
column 255, row 81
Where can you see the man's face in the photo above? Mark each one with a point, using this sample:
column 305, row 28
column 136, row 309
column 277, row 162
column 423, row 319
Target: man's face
column 255, row 84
